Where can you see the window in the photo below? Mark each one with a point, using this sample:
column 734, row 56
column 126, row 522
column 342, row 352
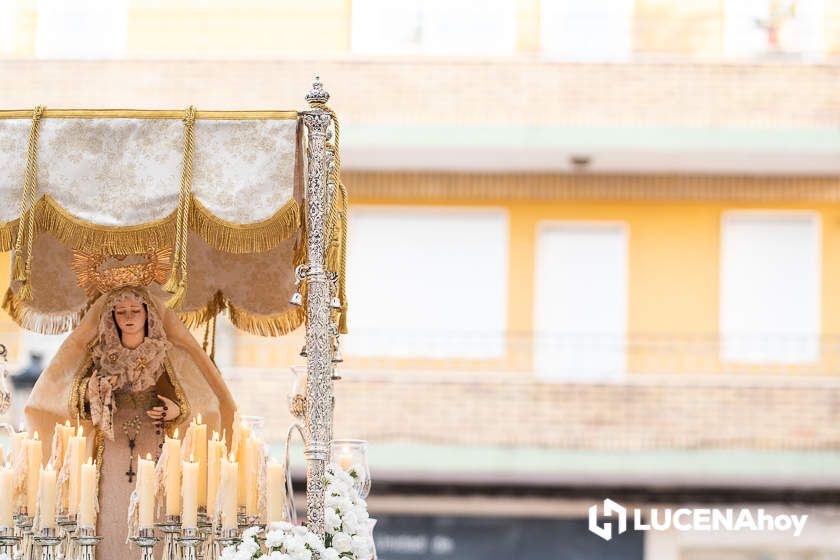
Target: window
column 770, row 287
column 594, row 30
column 81, row 28
column 580, row 305
column 455, row 27
column 760, row 27
column 427, row 282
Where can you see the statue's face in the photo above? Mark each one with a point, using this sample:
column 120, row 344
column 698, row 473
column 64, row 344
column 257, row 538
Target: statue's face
column 130, row 316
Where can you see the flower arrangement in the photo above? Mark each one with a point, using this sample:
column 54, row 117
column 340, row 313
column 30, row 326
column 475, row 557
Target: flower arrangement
column 347, row 527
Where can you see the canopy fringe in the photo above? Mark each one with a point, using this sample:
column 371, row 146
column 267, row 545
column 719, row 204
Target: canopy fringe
column 278, row 324
column 245, row 238
column 38, row 321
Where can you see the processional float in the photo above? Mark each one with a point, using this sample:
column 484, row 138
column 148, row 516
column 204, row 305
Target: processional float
column 249, row 209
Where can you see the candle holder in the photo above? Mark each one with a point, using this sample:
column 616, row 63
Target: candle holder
column 67, row 526
column 170, row 527
column 205, row 529
column 229, row 537
column 27, row 546
column 190, row 541
column 85, row 542
column 48, row 539
column 8, row 541
column 146, row 540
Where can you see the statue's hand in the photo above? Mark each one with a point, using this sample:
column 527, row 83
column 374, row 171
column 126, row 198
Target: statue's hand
column 168, row 411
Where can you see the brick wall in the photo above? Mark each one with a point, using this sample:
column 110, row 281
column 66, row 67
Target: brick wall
column 507, row 411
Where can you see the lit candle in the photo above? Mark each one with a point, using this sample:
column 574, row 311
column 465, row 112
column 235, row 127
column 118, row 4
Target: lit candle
column 47, row 492
column 173, row 475
column 215, row 453
column 87, row 502
column 189, row 513
column 200, row 454
column 146, row 491
column 276, row 492
column 230, row 477
column 77, row 445
column 345, row 461
column 252, row 446
column 34, row 457
column 7, row 504
column 61, row 447
column 243, row 459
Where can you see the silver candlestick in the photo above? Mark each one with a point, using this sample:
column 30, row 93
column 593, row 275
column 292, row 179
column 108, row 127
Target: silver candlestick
column 171, row 528
column 8, row 541
column 229, row 537
column 48, row 539
column 190, row 541
column 205, row 528
column 67, row 526
column 85, row 542
column 26, row 550
column 146, row 540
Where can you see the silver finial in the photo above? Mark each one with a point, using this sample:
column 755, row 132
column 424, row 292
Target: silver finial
column 317, row 94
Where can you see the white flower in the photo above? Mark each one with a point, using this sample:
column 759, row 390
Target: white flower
column 344, row 505
column 329, row 554
column 278, row 556
column 302, row 554
column 273, row 539
column 284, row 526
column 229, row 553
column 250, row 533
column 350, row 522
column 294, row 543
column 341, row 542
column 314, row 541
column 332, row 521
column 360, row 546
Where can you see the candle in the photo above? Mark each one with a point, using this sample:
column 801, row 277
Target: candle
column 47, row 494
column 215, row 453
column 345, row 461
column 1, row 454
column 7, row 505
column 200, row 454
column 34, row 458
column 189, row 491
column 276, row 490
column 230, row 477
column 77, row 445
column 18, row 443
column 146, row 491
column 61, row 446
column 87, row 501
column 243, row 459
column 172, row 447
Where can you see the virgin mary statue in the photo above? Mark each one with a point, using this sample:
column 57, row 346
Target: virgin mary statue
column 130, row 373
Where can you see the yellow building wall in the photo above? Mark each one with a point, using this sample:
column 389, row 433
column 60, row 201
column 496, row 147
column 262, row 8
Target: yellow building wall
column 665, row 26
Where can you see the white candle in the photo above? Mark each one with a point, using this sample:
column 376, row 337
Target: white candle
column 276, row 492
column 35, row 456
column 345, row 461
column 146, row 491
column 189, row 513
column 7, row 504
column 173, row 475
column 243, row 459
column 61, row 444
column 77, row 444
column 230, row 477
column 47, row 494
column 252, row 452
column 200, row 454
column 215, row 453
column 89, row 490
column 18, row 443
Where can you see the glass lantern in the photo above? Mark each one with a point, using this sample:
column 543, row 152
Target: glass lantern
column 256, row 424
column 351, row 455
column 297, row 396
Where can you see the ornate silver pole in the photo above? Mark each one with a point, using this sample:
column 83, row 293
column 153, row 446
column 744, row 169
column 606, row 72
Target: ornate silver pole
column 171, row 528
column 190, row 540
column 86, row 541
column 319, row 389
column 48, row 539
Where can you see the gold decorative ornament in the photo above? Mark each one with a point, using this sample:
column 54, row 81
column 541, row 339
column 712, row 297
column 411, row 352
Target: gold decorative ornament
column 95, row 280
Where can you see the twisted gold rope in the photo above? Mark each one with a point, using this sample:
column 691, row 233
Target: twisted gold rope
column 26, row 224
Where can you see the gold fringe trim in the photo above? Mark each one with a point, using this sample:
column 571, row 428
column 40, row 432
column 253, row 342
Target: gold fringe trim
column 220, row 234
column 279, row 324
column 245, row 238
column 37, row 321
column 147, row 114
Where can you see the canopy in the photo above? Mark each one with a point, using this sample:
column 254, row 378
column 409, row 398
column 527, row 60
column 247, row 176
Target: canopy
column 224, row 190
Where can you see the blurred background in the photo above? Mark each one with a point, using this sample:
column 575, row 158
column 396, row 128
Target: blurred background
column 594, row 248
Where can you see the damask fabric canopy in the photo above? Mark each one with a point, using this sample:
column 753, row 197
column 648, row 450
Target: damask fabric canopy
column 224, row 190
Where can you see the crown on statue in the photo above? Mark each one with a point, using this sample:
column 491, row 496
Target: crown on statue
column 95, row 280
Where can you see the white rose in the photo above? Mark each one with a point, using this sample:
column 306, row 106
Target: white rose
column 331, row 501
column 229, row 553
column 329, row 554
column 299, row 531
column 332, row 521
column 350, row 522
column 294, row 543
column 360, row 547
column 274, row 539
column 284, row 526
column 314, row 541
column 302, row 554
column 344, row 505
column 341, row 542
column 278, row 556
column 250, row 533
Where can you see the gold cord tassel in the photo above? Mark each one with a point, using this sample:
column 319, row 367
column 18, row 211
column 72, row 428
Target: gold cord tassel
column 22, row 266
column 177, row 282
